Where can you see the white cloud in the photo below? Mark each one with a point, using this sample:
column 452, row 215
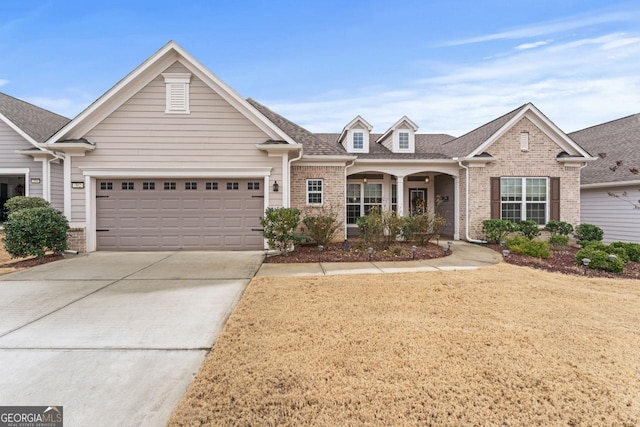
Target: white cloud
column 577, row 84
column 64, row 106
column 3, row 82
column 533, row 45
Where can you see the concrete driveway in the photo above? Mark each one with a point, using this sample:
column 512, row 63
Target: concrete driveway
column 115, row 338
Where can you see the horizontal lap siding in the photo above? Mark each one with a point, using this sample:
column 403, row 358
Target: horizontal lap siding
column 617, row 217
column 57, row 186
column 10, row 142
column 140, row 134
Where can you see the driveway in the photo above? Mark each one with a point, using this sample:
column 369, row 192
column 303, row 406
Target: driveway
column 115, row 338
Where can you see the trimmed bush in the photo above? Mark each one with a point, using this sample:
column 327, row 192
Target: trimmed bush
column 559, row 228
column 495, row 230
column 524, row 246
column 278, row 226
column 528, row 228
column 380, row 229
column 21, row 202
column 558, row 240
column 610, row 250
column 322, row 227
column 632, row 249
column 599, row 259
column 34, row 231
column 588, row 233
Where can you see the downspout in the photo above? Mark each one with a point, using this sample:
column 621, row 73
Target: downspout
column 466, row 206
column 353, row 162
column 288, row 183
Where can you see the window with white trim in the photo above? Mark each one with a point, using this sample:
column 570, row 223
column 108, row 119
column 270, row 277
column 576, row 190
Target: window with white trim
column 315, row 191
column 358, row 140
column 361, row 199
column 524, row 199
column 403, row 140
column 177, row 92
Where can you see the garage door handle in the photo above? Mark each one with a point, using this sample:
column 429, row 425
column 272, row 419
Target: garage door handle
column 102, row 229
column 255, row 197
column 257, row 229
column 102, row 197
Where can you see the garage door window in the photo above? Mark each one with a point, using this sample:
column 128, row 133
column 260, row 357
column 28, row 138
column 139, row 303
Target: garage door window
column 106, row 185
column 148, row 185
column 211, row 185
column 253, row 186
column 169, row 185
column 190, row 185
column 232, row 186
column 127, row 186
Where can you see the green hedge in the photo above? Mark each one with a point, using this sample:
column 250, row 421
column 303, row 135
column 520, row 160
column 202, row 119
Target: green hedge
column 599, row 259
column 34, row 231
column 524, row 246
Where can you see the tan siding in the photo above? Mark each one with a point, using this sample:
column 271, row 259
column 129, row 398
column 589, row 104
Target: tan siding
column 10, row 142
column 57, row 186
column 140, row 134
column 539, row 161
column 617, row 217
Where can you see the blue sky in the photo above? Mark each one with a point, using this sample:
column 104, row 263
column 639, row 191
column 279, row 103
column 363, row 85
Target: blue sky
column 449, row 65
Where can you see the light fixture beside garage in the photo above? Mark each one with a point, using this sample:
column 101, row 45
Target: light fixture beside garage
column 275, row 186
column 77, row 185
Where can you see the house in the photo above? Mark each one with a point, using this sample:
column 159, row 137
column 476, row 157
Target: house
column 610, row 187
column 171, row 157
column 27, row 168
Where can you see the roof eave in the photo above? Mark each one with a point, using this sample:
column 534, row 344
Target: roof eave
column 597, row 185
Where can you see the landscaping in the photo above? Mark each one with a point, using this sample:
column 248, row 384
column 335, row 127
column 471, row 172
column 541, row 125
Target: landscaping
column 502, row 345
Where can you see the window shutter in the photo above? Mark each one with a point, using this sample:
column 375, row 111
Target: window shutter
column 495, row 197
column 554, row 211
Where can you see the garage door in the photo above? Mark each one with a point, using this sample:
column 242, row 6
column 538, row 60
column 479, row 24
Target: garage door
column 170, row 214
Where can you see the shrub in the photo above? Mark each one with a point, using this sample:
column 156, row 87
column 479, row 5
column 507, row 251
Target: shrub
column 558, row 240
column 632, row 249
column 423, row 226
column 380, row 229
column 21, row 202
column 322, row 227
column 495, row 230
column 528, row 228
column 599, row 260
column 559, row 228
column 278, row 228
column 621, row 253
column 34, row 231
column 588, row 233
column 525, row 246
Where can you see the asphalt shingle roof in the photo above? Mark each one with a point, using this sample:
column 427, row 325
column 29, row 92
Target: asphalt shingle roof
column 36, row 122
column 428, row 146
column 463, row 146
column 613, row 142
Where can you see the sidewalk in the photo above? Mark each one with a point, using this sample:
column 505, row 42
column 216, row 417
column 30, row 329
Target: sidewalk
column 464, row 256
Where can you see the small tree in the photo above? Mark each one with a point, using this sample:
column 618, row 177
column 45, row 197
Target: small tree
column 34, row 231
column 380, row 229
column 278, row 228
column 323, row 226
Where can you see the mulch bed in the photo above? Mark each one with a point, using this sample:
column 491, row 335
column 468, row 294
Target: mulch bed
column 333, row 252
column 564, row 261
column 32, row 262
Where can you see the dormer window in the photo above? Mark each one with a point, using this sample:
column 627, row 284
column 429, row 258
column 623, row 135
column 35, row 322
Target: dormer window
column 177, row 92
column 358, row 140
column 403, row 140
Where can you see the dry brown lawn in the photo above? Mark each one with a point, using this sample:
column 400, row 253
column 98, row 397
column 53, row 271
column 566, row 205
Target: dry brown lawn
column 500, row 346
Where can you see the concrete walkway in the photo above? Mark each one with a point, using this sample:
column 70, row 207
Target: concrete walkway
column 464, row 256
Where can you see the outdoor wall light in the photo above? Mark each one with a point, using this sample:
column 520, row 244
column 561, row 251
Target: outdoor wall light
column 426, row 180
column 276, row 187
column 365, row 179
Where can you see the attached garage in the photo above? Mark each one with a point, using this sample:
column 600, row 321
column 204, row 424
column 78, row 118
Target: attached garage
column 175, row 214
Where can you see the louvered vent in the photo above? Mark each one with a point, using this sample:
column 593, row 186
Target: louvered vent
column 177, row 92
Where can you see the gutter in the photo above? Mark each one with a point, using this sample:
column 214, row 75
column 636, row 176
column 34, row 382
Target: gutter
column 466, row 204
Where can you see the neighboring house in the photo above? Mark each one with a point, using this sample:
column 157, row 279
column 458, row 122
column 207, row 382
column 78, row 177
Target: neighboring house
column 610, row 187
column 173, row 158
column 27, row 168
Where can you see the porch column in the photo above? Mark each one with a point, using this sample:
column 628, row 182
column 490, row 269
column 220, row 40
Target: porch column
column 456, row 208
column 400, row 193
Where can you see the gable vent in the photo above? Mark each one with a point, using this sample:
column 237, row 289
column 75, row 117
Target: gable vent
column 177, row 92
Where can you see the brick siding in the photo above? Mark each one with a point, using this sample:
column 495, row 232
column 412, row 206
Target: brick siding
column 76, row 239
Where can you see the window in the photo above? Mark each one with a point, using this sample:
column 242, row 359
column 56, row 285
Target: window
column 177, row 92
column 361, row 198
column 314, row 191
column 127, row 185
column 524, row 199
column 253, row 186
column 106, row 185
column 190, row 185
column 169, row 185
column 394, row 197
column 524, row 141
column 358, row 141
column 148, row 185
column 403, row 140
column 232, row 186
column 211, row 185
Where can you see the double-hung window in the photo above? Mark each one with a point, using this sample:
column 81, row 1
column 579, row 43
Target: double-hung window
column 524, row 199
column 361, row 199
column 314, row 191
column 358, row 141
column 403, row 140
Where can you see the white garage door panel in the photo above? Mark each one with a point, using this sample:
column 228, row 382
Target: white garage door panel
column 140, row 214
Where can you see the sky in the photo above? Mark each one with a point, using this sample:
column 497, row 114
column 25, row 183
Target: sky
column 449, row 65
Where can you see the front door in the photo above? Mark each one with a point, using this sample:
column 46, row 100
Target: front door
column 418, row 197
